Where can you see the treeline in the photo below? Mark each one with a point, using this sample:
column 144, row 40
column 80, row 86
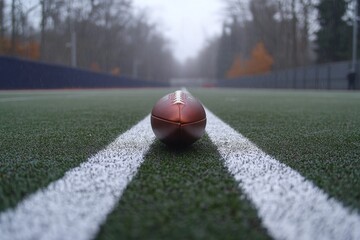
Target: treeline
column 102, row 35
column 259, row 36
column 111, row 36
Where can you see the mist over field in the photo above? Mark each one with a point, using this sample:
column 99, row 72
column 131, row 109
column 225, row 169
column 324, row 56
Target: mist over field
column 186, row 119
column 159, row 40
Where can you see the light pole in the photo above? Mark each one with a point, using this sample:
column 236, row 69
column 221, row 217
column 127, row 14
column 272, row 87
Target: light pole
column 72, row 43
column 73, row 47
column 355, row 37
column 136, row 64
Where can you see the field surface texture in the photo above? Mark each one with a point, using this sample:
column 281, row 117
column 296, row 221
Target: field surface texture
column 49, row 137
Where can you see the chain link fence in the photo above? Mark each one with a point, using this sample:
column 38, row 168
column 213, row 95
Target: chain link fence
column 325, row 76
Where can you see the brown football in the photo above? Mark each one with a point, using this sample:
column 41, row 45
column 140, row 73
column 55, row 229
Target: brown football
column 178, row 119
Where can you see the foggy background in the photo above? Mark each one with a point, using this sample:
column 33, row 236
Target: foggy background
column 160, row 40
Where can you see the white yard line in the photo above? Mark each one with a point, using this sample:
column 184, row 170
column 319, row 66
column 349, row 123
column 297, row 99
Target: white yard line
column 16, row 99
column 75, row 206
column 47, row 97
column 290, row 206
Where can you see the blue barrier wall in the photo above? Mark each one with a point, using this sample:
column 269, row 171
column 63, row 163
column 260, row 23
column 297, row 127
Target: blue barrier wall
column 22, row 74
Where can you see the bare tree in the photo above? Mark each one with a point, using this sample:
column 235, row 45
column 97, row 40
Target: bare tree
column 282, row 25
column 207, row 59
column 13, row 27
column 294, row 34
column 110, row 36
column 43, row 4
column 307, row 10
column 2, row 25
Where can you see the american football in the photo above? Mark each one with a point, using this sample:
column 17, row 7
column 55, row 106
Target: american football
column 158, row 119
column 178, row 119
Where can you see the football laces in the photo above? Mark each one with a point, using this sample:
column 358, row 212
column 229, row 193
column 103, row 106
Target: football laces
column 178, row 98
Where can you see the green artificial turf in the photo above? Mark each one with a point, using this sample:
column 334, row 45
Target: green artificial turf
column 316, row 133
column 180, row 194
column 183, row 194
column 45, row 133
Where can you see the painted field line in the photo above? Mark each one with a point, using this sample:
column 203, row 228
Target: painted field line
column 15, row 99
column 47, row 97
column 290, row 206
column 75, row 206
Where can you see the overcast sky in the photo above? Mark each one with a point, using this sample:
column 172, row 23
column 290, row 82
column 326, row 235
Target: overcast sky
column 187, row 23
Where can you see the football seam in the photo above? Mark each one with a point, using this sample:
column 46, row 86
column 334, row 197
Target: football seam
column 178, row 123
column 168, row 121
column 184, row 124
column 179, row 112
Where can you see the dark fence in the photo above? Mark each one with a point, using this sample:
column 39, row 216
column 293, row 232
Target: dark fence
column 326, row 76
column 23, row 74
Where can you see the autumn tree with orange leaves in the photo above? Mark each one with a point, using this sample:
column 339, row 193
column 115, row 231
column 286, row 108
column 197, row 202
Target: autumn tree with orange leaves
column 260, row 62
column 29, row 49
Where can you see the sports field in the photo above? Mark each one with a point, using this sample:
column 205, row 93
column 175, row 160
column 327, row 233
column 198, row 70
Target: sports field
column 84, row 164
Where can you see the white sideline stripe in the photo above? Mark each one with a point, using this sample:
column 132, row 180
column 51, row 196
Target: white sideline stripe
column 47, row 97
column 75, row 206
column 290, row 206
column 15, row 99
